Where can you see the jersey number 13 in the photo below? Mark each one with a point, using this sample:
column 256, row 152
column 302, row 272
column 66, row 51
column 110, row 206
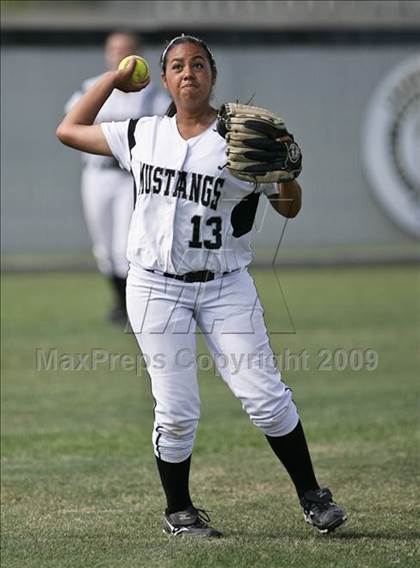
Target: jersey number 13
column 216, row 224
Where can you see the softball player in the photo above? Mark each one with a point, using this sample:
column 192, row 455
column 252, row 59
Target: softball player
column 189, row 248
column 107, row 190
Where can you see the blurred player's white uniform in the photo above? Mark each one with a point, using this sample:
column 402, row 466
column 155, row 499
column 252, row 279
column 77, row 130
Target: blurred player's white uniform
column 107, row 190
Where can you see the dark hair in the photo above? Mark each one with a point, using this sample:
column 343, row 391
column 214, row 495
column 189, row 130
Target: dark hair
column 171, row 111
column 125, row 32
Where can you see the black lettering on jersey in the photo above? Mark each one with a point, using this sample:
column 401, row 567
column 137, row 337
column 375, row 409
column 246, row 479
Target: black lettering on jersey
column 195, row 188
column 181, row 186
column 243, row 214
column 199, row 188
column 149, row 178
column 157, row 179
column 169, row 175
column 206, row 190
column 146, row 186
column 219, row 183
column 141, row 185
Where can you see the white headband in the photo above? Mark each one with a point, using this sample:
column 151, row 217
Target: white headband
column 196, row 39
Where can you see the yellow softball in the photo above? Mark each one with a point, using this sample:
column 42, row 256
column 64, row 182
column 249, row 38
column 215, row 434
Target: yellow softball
column 141, row 70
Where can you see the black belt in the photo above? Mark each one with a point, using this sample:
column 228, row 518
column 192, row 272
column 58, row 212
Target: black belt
column 199, row 276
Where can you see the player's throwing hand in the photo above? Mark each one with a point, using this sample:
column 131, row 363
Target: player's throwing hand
column 124, row 79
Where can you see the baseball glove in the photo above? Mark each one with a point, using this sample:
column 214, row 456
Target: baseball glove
column 254, row 152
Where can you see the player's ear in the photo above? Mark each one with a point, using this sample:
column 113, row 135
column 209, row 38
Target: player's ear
column 163, row 79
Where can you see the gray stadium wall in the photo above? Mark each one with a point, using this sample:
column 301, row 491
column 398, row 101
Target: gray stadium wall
column 322, row 89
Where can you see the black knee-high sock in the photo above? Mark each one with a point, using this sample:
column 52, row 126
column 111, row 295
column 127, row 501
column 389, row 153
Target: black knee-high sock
column 174, row 478
column 119, row 285
column 292, row 451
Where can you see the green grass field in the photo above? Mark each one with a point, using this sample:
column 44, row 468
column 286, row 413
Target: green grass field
column 79, row 484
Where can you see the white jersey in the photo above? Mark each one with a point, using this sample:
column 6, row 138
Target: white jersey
column 121, row 106
column 191, row 214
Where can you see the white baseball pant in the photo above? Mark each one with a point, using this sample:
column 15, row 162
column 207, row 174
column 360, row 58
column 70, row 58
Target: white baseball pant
column 164, row 313
column 107, row 196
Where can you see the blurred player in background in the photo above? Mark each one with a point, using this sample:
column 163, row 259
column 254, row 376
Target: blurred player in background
column 107, row 190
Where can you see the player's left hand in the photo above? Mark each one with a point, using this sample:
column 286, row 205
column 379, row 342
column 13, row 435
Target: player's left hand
column 123, row 80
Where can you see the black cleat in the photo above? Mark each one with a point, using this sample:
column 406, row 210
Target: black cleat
column 191, row 522
column 321, row 512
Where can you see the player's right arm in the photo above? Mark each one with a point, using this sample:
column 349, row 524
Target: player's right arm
column 77, row 129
